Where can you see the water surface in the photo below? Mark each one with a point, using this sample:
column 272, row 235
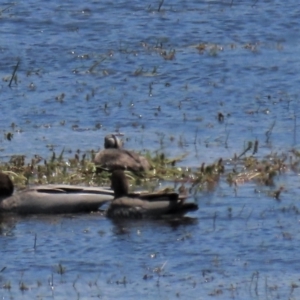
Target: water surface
column 88, row 69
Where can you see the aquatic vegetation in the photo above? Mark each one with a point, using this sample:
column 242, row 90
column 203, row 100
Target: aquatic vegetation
column 60, row 269
column 80, row 169
column 7, row 285
column 23, row 287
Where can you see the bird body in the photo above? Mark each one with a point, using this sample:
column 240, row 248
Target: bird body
column 51, row 199
column 126, row 205
column 114, row 157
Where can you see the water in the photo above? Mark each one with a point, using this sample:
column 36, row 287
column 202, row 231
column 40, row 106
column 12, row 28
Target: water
column 88, row 69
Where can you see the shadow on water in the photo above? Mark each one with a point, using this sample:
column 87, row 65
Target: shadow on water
column 9, row 222
column 124, row 226
column 7, row 225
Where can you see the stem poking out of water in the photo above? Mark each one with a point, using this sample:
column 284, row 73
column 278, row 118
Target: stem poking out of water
column 196, row 136
column 214, row 220
column 14, row 72
column 6, row 8
column 255, row 147
column 239, row 214
column 35, row 238
column 295, row 127
column 160, row 5
column 97, row 63
column 256, row 283
column 247, row 149
column 256, row 276
column 269, row 132
column 51, row 282
column 227, row 135
column 248, row 217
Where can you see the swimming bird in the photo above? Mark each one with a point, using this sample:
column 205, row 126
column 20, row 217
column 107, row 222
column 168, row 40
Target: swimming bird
column 114, row 157
column 51, row 199
column 126, row 205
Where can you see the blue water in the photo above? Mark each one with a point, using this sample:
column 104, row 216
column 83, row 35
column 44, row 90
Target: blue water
column 105, row 58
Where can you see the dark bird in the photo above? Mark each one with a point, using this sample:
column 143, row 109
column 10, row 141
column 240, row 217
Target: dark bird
column 51, row 199
column 127, row 205
column 114, row 157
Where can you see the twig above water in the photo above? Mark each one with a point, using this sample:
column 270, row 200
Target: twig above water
column 35, row 238
column 6, row 8
column 246, row 150
column 14, row 72
column 295, row 128
column 160, row 5
column 269, row 132
column 214, row 221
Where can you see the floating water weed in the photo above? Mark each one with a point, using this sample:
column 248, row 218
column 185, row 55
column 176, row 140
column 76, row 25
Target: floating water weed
column 7, row 285
column 220, row 117
column 23, row 287
column 81, row 170
column 122, row 281
column 60, row 269
column 60, row 98
column 293, row 287
column 168, row 55
column 201, row 47
column 216, row 292
column 8, row 136
column 277, row 193
column 138, row 72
